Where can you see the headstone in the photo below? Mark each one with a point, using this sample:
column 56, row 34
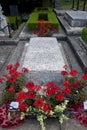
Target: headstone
column 76, row 18
column 3, row 24
column 45, row 60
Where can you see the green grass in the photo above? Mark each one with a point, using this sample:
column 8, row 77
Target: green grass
column 14, row 21
column 68, row 5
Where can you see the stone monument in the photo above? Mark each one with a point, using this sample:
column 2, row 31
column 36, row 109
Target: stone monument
column 3, row 24
column 76, row 18
column 45, row 59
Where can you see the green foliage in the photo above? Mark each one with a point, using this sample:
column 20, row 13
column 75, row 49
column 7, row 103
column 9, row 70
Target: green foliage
column 33, row 20
column 84, row 34
column 18, row 85
column 43, row 9
column 7, row 96
column 14, row 21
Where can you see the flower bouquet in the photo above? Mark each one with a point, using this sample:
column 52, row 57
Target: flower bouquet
column 13, row 81
column 20, row 100
column 44, row 29
column 78, row 97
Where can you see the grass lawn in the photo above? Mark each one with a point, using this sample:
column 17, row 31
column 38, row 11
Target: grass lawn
column 68, row 5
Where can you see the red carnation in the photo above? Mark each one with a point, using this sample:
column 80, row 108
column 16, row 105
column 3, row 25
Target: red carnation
column 73, row 73
column 9, row 67
column 59, row 97
column 66, row 83
column 23, row 107
column 84, row 77
column 67, row 90
column 64, row 73
column 30, row 86
column 17, row 65
column 39, row 103
column 25, row 70
column 47, row 108
column 11, row 89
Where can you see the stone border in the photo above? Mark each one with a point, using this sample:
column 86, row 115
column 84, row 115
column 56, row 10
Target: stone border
column 80, row 52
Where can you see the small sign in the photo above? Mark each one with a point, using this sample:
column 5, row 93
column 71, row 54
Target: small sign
column 14, row 105
column 85, row 105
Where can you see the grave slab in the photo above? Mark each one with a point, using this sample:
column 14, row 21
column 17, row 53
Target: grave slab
column 76, row 18
column 44, row 57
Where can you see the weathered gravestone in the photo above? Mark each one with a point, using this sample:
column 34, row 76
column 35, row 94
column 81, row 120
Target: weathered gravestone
column 76, row 18
column 3, row 24
column 45, row 60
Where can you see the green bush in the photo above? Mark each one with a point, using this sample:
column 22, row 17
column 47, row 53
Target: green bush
column 14, row 21
column 34, row 20
column 84, row 34
column 43, row 9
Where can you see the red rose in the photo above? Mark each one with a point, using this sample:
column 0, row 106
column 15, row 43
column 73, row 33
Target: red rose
column 39, row 103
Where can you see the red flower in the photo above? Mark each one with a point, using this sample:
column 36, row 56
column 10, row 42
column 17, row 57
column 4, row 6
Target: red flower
column 32, row 96
column 22, row 96
column 9, row 67
column 59, row 97
column 11, row 89
column 17, row 65
column 1, row 80
column 65, row 67
column 25, row 70
column 47, row 108
column 66, row 83
column 23, row 107
column 73, row 73
column 64, row 73
column 84, row 77
column 39, row 103
column 12, row 79
column 67, row 90
column 30, row 86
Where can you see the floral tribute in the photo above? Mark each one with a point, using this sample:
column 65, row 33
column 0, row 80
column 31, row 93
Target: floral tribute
column 20, row 100
column 44, row 29
column 78, row 96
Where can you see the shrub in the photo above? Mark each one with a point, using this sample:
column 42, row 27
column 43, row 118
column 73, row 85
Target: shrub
column 34, row 19
column 14, row 21
column 84, row 34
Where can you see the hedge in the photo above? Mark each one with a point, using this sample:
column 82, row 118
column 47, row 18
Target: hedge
column 14, row 21
column 33, row 20
column 43, row 9
column 84, row 34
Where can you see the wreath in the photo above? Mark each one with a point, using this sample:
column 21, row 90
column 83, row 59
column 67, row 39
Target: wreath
column 79, row 114
column 7, row 121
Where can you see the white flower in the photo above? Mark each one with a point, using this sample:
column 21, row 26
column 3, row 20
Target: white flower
column 25, row 90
